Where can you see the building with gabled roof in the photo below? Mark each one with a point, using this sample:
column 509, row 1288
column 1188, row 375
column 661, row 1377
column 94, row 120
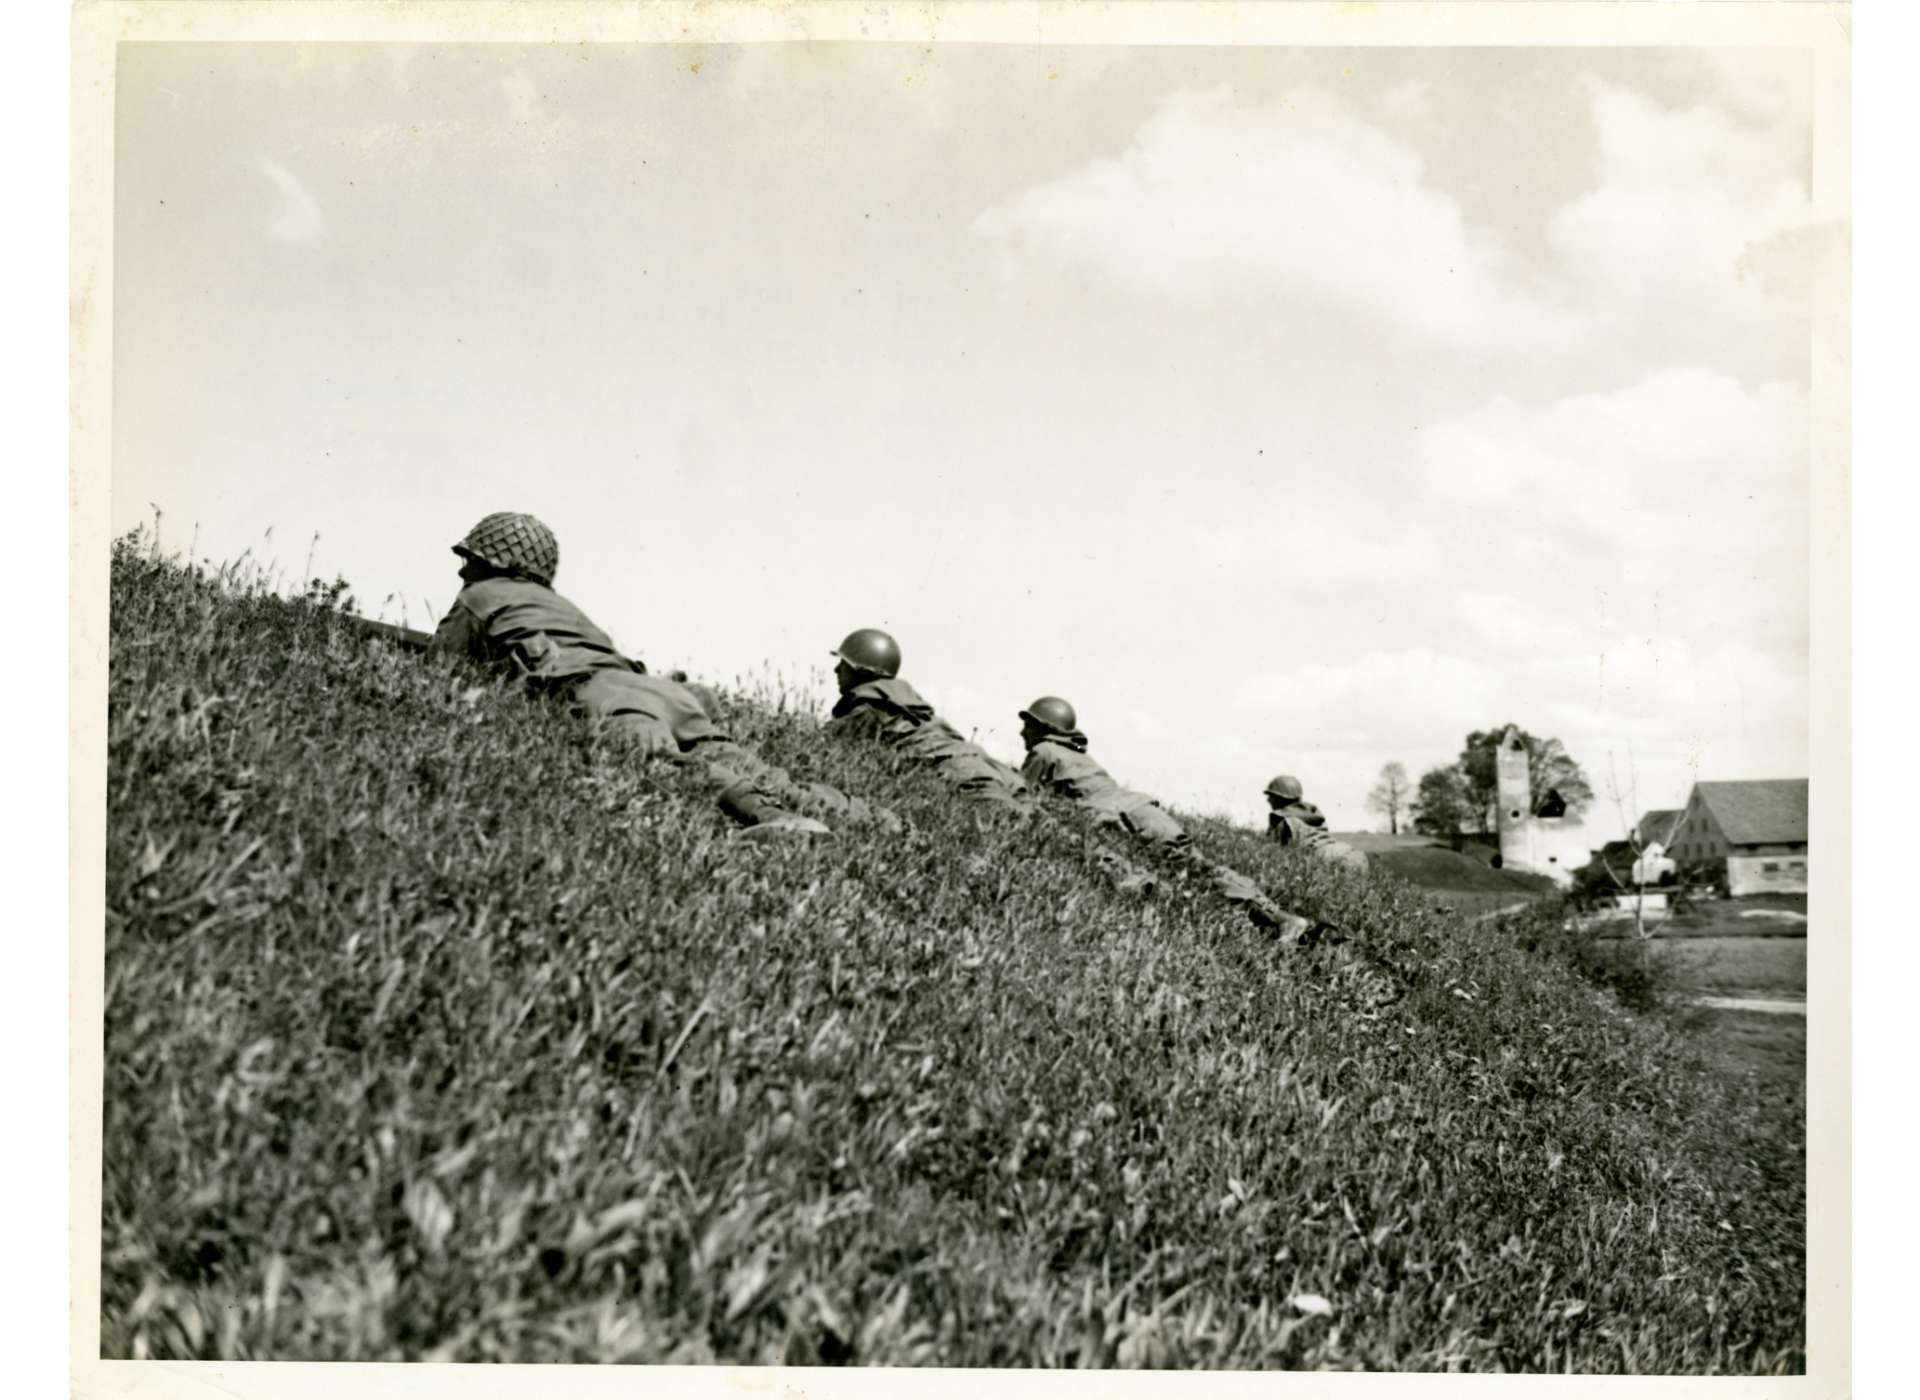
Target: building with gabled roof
column 1759, row 828
column 1657, row 826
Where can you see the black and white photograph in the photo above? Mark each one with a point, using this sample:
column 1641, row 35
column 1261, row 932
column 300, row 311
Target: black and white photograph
column 1038, row 688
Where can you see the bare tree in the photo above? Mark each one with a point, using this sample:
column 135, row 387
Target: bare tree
column 1635, row 881
column 1389, row 795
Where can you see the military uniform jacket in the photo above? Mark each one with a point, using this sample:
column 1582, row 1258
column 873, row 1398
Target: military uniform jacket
column 894, row 712
column 1060, row 765
column 1299, row 823
column 526, row 625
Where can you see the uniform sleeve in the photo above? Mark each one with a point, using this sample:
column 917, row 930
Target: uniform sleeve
column 1040, row 770
column 859, row 722
column 459, row 632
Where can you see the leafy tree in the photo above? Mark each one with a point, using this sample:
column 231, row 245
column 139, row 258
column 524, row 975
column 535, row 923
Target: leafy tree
column 1549, row 767
column 1440, row 803
column 1390, row 794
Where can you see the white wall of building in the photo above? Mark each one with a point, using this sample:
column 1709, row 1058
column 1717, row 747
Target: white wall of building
column 1550, row 846
column 1767, row 874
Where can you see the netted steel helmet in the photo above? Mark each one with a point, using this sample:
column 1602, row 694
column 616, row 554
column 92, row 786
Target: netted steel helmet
column 1051, row 712
column 870, row 649
column 514, row 544
column 1286, row 789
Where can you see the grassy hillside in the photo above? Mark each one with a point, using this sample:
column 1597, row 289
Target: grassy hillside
column 434, row 1030
column 1447, row 871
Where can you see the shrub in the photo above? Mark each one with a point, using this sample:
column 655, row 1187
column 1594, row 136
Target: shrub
column 1622, row 965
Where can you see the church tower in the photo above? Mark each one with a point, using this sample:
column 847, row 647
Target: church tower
column 1514, row 818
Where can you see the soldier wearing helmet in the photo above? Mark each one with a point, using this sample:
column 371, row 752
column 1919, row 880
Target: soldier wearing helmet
column 1294, row 821
column 1058, row 763
column 875, row 703
column 507, row 615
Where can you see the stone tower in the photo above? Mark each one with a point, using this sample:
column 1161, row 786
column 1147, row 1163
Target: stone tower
column 1515, row 814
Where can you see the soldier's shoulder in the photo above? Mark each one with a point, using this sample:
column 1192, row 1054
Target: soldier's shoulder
column 891, row 694
column 897, row 691
column 489, row 595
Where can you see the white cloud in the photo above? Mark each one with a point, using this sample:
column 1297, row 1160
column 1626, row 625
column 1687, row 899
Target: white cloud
column 1298, row 199
column 1696, row 239
column 1377, row 699
column 1624, row 570
column 1680, row 464
column 1661, row 522
column 297, row 218
column 1698, row 226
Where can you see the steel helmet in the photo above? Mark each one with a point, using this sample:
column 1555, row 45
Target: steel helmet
column 514, row 544
column 870, row 649
column 1051, row 712
column 1286, row 789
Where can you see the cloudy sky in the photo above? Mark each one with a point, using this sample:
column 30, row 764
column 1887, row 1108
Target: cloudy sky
column 1286, row 410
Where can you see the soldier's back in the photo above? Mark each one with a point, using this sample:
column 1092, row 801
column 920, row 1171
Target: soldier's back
column 541, row 633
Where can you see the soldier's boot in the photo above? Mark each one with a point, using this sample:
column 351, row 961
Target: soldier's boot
column 847, row 810
column 1293, row 931
column 1228, row 883
column 1321, row 933
column 997, row 799
column 1127, row 877
column 754, row 793
column 753, row 806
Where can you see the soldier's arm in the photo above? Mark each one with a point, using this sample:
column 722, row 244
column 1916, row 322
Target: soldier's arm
column 460, row 632
column 1040, row 770
column 861, row 722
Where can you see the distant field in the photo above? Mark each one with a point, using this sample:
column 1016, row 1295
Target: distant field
column 1371, row 841
column 1773, row 1049
column 1477, row 902
column 1728, row 966
column 1459, row 881
column 1735, row 919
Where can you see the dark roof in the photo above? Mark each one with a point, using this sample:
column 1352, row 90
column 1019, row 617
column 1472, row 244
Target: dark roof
column 1617, row 856
column 1764, row 812
column 1658, row 825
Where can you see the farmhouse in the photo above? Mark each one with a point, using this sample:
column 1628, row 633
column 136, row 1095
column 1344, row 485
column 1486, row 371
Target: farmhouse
column 1759, row 828
column 1653, row 834
column 1656, row 828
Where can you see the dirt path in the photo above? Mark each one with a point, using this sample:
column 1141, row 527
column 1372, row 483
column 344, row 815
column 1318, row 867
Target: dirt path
column 1783, row 1008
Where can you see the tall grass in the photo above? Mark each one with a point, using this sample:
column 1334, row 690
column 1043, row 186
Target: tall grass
column 436, row 1029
